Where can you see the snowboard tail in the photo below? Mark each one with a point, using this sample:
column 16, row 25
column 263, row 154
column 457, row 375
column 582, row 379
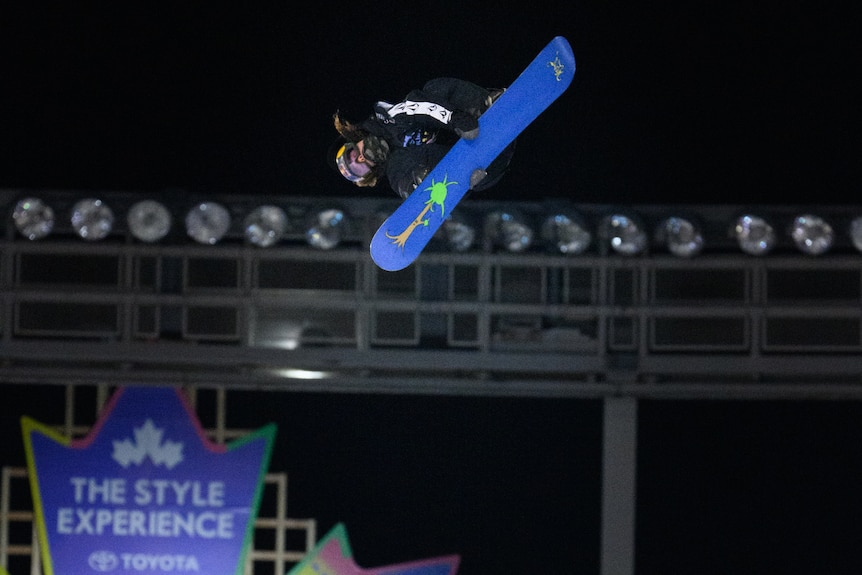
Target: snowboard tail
column 403, row 236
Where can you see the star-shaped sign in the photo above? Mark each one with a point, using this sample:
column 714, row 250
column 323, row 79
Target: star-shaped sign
column 145, row 490
column 333, row 556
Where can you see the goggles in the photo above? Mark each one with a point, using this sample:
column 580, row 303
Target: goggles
column 347, row 163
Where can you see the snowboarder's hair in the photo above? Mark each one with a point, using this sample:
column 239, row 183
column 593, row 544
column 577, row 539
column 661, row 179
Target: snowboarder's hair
column 354, row 133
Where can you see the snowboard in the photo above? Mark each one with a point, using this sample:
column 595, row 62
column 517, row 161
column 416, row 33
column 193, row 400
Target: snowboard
column 405, row 233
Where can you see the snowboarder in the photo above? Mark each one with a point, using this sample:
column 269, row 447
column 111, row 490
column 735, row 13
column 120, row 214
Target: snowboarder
column 403, row 142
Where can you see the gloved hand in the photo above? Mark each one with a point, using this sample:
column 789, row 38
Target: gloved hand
column 376, row 149
column 476, row 177
column 419, row 173
column 465, row 125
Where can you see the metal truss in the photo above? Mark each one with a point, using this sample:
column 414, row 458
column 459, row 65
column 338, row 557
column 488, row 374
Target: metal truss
column 293, row 317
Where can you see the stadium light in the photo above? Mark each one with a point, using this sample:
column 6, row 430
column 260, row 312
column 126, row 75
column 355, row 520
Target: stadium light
column 265, row 225
column 855, row 232
column 91, row 219
column 325, row 228
column 624, row 233
column 149, row 221
column 754, row 234
column 34, row 219
column 207, row 222
column 566, row 233
column 509, row 230
column 458, row 232
column 681, row 236
column 812, row 234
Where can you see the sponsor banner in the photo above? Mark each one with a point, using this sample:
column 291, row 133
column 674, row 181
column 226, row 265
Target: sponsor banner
column 145, row 491
column 333, row 556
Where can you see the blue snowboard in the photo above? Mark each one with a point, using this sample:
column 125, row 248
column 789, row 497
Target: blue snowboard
column 404, row 235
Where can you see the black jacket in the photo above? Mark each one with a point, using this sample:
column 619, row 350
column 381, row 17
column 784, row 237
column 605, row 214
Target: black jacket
column 422, row 128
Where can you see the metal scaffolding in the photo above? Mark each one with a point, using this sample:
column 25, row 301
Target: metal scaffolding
column 482, row 321
column 290, row 317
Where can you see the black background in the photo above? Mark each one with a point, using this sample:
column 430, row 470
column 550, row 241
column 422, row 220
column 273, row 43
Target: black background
column 700, row 102
column 704, row 102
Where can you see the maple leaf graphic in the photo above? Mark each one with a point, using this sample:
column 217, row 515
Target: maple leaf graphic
column 148, row 442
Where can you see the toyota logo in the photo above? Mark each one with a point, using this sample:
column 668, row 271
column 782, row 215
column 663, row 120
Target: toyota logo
column 103, row 561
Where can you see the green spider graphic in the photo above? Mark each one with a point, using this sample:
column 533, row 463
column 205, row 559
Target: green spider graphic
column 439, row 191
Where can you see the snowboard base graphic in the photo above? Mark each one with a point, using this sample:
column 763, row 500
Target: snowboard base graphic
column 403, row 236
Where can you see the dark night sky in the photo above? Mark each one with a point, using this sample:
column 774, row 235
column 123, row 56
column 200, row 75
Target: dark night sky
column 675, row 101
column 672, row 101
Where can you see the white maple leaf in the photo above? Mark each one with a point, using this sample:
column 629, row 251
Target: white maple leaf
column 126, row 452
column 148, row 442
column 170, row 453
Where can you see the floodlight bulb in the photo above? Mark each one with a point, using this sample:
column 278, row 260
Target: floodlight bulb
column 207, row 222
column 682, row 237
column 459, row 234
column 265, row 225
column 34, row 219
column 812, row 234
column 326, row 228
column 856, row 233
column 566, row 233
column 754, row 235
column 92, row 219
column 625, row 234
column 509, row 230
column 149, row 221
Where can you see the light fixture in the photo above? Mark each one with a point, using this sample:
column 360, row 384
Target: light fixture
column 92, row 219
column 509, row 230
column 33, row 218
column 681, row 236
column 624, row 234
column 566, row 233
column 754, row 234
column 265, row 225
column 856, row 233
column 812, row 234
column 458, row 233
column 148, row 221
column 294, row 373
column 325, row 228
column 207, row 222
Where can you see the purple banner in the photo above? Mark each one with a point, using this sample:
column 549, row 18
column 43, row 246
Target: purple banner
column 145, row 491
